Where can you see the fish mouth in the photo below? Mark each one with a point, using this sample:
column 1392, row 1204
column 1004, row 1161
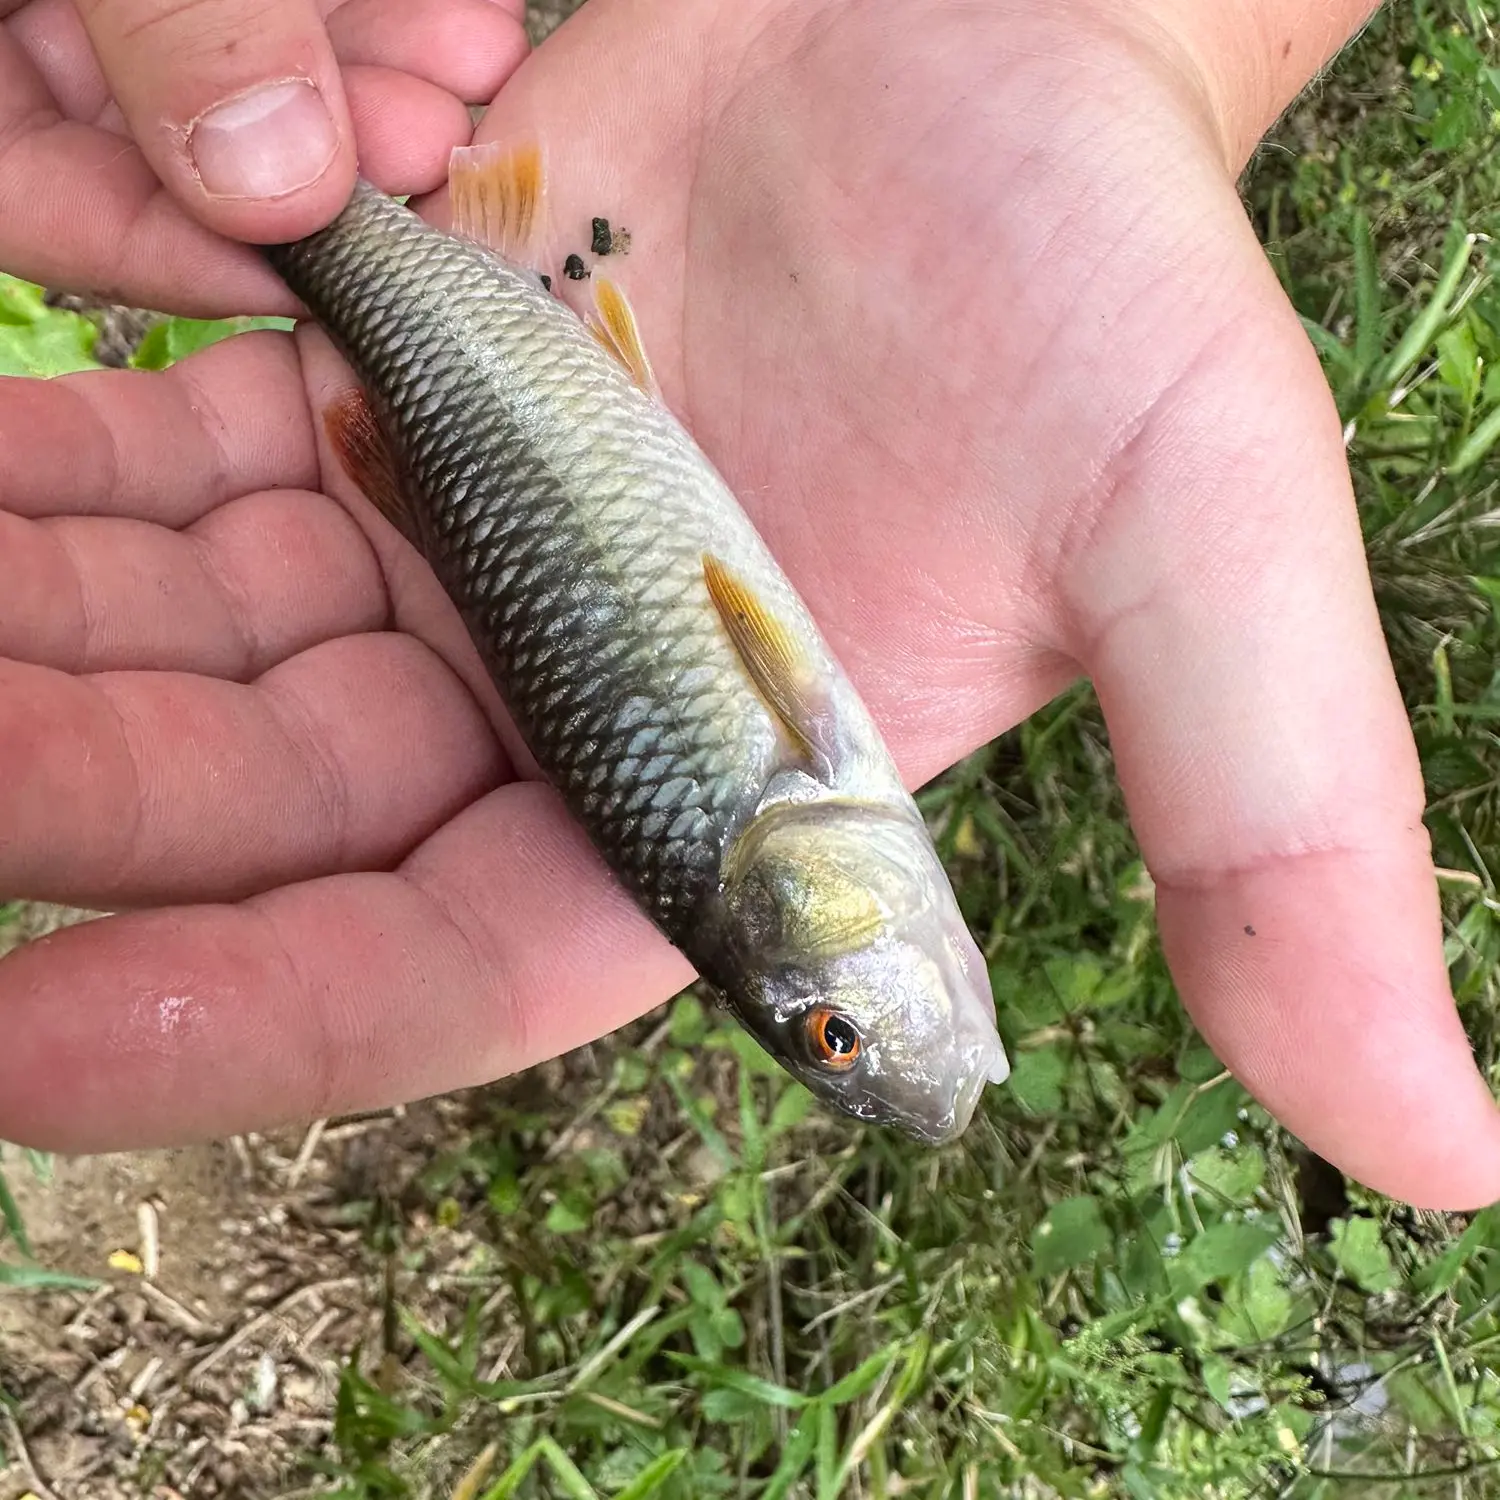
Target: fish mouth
column 966, row 1099
column 988, row 1063
column 997, row 1060
column 965, row 1105
column 984, row 1062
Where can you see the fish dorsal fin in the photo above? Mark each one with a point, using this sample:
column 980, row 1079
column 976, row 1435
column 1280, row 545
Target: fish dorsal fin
column 613, row 324
column 499, row 194
column 364, row 455
column 777, row 665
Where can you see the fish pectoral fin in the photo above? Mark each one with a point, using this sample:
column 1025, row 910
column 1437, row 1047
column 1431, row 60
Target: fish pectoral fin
column 780, row 670
column 613, row 324
column 364, row 455
column 498, row 194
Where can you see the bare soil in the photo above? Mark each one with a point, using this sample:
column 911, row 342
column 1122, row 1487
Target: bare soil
column 234, row 1282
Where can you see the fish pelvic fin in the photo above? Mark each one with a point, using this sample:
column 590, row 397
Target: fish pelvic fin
column 498, row 192
column 365, row 456
column 613, row 323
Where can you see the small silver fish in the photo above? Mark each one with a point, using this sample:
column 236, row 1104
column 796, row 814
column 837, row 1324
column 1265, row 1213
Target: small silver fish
column 659, row 665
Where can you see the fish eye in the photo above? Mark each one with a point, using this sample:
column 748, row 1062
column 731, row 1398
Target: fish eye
column 835, row 1039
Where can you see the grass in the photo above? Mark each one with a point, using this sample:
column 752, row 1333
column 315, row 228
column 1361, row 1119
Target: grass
column 1126, row 1282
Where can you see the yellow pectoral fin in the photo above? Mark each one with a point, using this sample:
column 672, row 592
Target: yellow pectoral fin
column 777, row 666
column 498, row 194
column 614, row 325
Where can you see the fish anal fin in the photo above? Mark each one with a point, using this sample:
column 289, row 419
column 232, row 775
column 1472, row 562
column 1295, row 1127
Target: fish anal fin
column 613, row 324
column 779, row 669
column 498, row 193
column 364, row 455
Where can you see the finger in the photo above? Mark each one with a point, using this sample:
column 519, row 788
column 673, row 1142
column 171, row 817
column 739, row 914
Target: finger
column 238, row 107
column 134, row 788
column 254, row 582
column 181, row 1025
column 165, row 447
column 52, row 36
column 466, row 47
column 1267, row 760
column 407, row 128
column 81, row 210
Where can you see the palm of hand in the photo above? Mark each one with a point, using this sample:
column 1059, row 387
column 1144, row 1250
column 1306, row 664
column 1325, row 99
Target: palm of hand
column 991, row 358
column 972, row 318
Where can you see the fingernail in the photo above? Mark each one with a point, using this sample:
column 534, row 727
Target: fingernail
column 264, row 144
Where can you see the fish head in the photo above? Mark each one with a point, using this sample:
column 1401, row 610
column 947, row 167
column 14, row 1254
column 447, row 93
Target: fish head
column 851, row 964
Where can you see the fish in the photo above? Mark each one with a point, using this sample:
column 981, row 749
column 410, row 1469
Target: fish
column 659, row 665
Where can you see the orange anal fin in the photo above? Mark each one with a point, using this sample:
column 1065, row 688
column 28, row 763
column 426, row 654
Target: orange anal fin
column 498, row 194
column 776, row 665
column 364, row 455
column 613, row 324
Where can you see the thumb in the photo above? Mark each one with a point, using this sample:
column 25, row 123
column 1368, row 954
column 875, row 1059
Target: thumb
column 1265, row 753
column 236, row 104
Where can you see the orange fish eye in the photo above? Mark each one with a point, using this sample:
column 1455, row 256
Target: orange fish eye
column 835, row 1039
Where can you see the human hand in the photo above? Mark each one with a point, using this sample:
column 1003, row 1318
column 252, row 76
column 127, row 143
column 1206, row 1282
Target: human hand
column 115, row 168
column 979, row 333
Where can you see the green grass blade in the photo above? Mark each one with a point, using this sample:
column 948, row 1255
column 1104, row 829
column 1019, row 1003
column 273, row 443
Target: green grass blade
column 569, row 1476
column 11, row 1221
column 726, row 1376
column 34, row 1278
column 862, row 1377
column 1441, row 1274
column 1367, row 331
column 439, row 1355
column 1442, row 688
column 1477, row 445
column 1420, row 336
column 515, row 1474
column 796, row 1455
column 654, row 1475
column 713, row 1137
column 830, row 1472
column 1330, row 349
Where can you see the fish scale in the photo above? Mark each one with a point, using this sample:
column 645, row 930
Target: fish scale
column 573, row 547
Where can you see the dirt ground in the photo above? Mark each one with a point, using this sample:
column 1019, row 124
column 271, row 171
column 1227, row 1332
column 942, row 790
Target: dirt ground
column 209, row 1352
column 235, row 1280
